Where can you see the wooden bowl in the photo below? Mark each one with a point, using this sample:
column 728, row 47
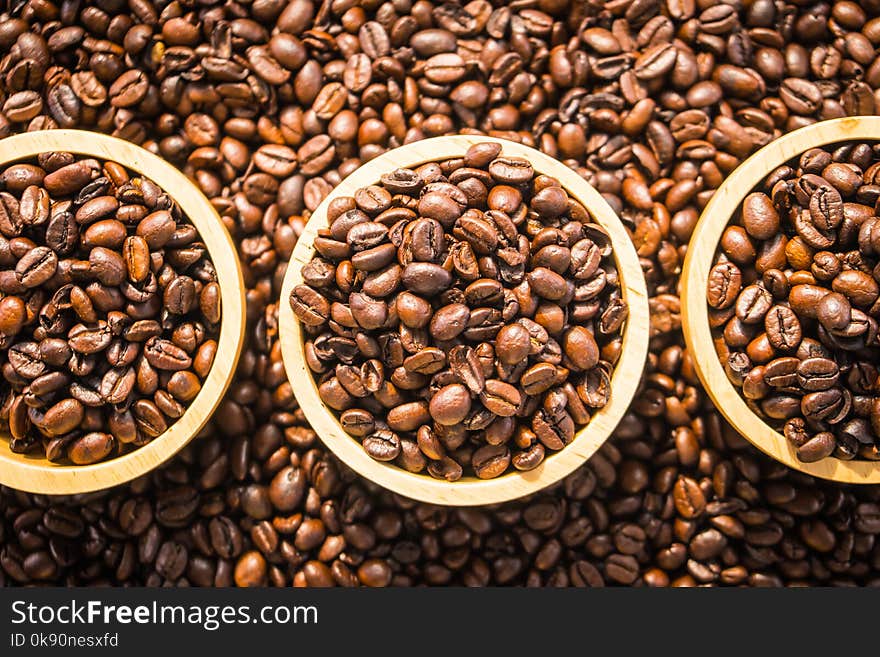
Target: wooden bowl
column 34, row 473
column 700, row 256
column 471, row 491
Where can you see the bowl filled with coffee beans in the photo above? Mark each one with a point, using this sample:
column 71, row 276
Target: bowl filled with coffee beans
column 464, row 320
column 121, row 311
column 782, row 300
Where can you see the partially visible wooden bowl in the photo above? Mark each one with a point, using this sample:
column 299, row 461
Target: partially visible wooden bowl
column 700, row 256
column 33, row 473
column 471, row 491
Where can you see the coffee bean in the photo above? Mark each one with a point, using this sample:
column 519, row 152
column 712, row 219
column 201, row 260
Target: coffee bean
column 783, row 328
column 409, row 416
column 91, row 448
column 511, row 170
column 446, row 468
column 36, row 267
column 210, row 302
column 690, row 502
column 547, row 283
column 817, row 373
column 425, row 278
column 490, row 461
column 26, row 359
column 150, row 420
column 89, row 340
column 71, row 178
column 117, row 384
column 817, row 448
column 580, row 348
column 63, row 417
column 129, row 89
column 725, row 281
column 512, row 344
column 180, row 295
column 445, row 68
column 136, row 253
column 655, row 61
column 310, row 307
column 382, row 445
column 12, row 315
column 501, row 398
column 834, row 311
column 466, row 366
column 753, row 304
column 449, row 321
column 450, row 405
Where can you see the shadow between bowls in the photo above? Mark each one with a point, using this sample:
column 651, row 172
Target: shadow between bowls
column 34, row 473
column 695, row 315
column 470, row 491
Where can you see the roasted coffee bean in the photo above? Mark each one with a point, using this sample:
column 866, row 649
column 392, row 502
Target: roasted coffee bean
column 817, row 373
column 512, row 344
column 180, row 295
column 783, row 328
column 382, row 445
column 753, row 304
column 36, row 267
column 91, row 448
column 834, row 311
column 451, row 404
column 12, row 315
column 310, row 307
column 466, row 366
column 63, row 417
column 136, row 253
column 817, row 448
column 580, row 348
column 759, row 216
column 425, row 278
column 725, row 281
column 490, row 461
column 449, row 321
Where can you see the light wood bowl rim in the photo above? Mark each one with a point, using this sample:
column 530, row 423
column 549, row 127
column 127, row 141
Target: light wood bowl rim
column 695, row 316
column 514, row 484
column 34, row 473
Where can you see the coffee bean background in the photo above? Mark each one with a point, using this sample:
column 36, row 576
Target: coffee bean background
column 268, row 104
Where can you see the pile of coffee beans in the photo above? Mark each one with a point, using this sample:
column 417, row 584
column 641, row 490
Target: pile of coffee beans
column 794, row 301
column 109, row 312
column 464, row 314
column 652, row 101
